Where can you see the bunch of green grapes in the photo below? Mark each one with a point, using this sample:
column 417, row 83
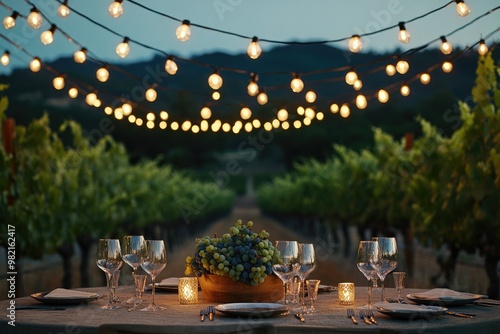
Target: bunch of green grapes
column 241, row 254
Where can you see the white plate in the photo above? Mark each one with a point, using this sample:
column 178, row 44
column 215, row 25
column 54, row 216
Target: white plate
column 326, row 288
column 409, row 311
column 254, row 309
column 444, row 301
column 40, row 296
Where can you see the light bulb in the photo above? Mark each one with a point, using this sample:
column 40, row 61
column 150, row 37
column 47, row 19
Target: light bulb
column 403, row 35
column 164, row 115
column 245, row 113
column 320, row 116
column 383, row 96
column 285, row 125
column 361, row 102
column 73, row 92
column 297, row 124
column 355, row 44
column 151, row 94
column 253, row 88
column 309, row 113
column 90, row 98
column 10, row 21
column 300, row 110
column 102, row 74
column 215, row 80
column 405, row 90
column 204, row 125
column 150, row 116
column 262, row 98
column 282, row 115
column 139, row 122
column 462, row 8
column 186, row 125
column 5, row 59
column 35, row 65
column 47, row 37
column 58, row 82
column 216, row 96
column 310, row 96
column 296, row 84
column 390, row 70
column 80, row 56
column 483, row 48
column 268, row 126
column 123, row 49
column 170, row 66
column 447, row 67
column 358, row 84
column 116, row 9
column 127, row 109
column 402, row 66
column 351, row 77
column 425, row 78
column 34, row 19
column 63, row 9
column 254, row 50
column 183, row 32
column 256, row 123
column 334, row 108
column 445, row 47
column 205, row 113
column 345, row 111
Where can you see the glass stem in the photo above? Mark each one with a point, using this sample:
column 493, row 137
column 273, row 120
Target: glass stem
column 133, row 276
column 153, row 290
column 286, row 291
column 369, row 294
column 399, row 295
column 110, row 292
column 382, row 299
column 303, row 290
column 374, row 282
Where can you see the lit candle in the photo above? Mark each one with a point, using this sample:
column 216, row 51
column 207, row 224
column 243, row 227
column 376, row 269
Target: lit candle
column 188, row 290
column 346, row 293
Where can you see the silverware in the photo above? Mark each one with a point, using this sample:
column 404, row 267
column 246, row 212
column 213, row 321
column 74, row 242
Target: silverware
column 300, row 317
column 202, row 315
column 350, row 314
column 363, row 316
column 211, row 312
column 487, row 302
column 459, row 314
column 370, row 315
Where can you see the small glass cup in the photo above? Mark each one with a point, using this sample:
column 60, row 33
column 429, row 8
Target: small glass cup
column 188, row 290
column 139, row 285
column 293, row 289
column 346, row 292
column 399, row 281
column 115, row 278
column 312, row 292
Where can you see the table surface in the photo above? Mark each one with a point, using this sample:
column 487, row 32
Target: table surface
column 330, row 317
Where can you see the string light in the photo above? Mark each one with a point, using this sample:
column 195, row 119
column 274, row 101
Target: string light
column 358, row 84
column 164, row 115
column 402, row 66
column 73, row 92
column 47, row 37
column 102, row 74
column 226, row 127
column 262, row 97
column 383, row 96
column 445, row 47
column 355, row 45
column 90, row 98
column 307, row 121
column 118, row 113
column 268, row 126
column 285, row 125
column 345, row 111
column 116, row 9
column 34, row 19
column 405, row 90
column 174, row 126
column 254, row 50
column 297, row 124
column 334, row 108
column 204, row 126
column 361, row 102
column 390, row 70
column 310, row 96
column 253, row 88
column 483, row 48
column 10, row 21
column 403, row 35
column 282, row 115
column 139, row 122
column 447, row 67
column 215, row 96
column 205, row 113
column 216, row 125
column 462, row 8
column 256, row 123
column 215, row 80
column 309, row 113
column 170, row 66
column 297, row 85
column 63, row 9
column 123, row 49
column 151, row 94
column 150, row 116
column 425, row 78
column 35, row 65
column 58, row 82
column 248, row 127
column 351, row 77
column 80, row 56
column 127, row 109
column 5, row 59
column 183, row 32
column 245, row 113
column 320, row 116
column 186, row 125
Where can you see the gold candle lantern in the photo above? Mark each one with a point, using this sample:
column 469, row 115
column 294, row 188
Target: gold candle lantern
column 346, row 293
column 188, row 290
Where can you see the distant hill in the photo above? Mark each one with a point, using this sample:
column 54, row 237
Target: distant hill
column 184, row 94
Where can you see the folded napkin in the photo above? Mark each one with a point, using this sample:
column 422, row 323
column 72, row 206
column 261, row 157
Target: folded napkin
column 399, row 307
column 171, row 281
column 446, row 294
column 65, row 293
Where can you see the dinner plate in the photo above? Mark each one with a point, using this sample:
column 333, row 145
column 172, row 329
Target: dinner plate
column 326, row 288
column 444, row 301
column 408, row 311
column 40, row 296
column 251, row 309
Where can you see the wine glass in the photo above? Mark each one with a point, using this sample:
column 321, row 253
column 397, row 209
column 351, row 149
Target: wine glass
column 367, row 255
column 387, row 259
column 109, row 260
column 155, row 260
column 307, row 260
column 288, row 264
column 133, row 250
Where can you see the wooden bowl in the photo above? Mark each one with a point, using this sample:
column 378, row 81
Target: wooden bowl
column 222, row 289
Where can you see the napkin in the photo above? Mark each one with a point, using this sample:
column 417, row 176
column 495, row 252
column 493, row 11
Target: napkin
column 170, row 281
column 65, row 293
column 399, row 307
column 445, row 294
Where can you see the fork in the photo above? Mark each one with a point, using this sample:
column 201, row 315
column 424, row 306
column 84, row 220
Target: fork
column 369, row 314
column 211, row 312
column 363, row 316
column 350, row 314
column 202, row 315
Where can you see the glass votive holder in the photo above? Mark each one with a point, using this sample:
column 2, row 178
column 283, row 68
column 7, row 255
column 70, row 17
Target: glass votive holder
column 346, row 293
column 188, row 290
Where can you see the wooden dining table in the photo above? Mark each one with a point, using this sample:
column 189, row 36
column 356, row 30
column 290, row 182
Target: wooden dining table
column 330, row 317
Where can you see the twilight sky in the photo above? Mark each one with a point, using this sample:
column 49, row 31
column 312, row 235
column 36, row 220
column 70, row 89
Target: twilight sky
column 290, row 20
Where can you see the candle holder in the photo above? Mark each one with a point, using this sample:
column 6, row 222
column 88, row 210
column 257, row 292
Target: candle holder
column 346, row 293
column 188, row 290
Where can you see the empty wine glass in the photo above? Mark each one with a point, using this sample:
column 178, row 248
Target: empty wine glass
column 387, row 259
column 367, row 255
column 307, row 260
column 133, row 250
column 155, row 260
column 288, row 264
column 109, row 260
